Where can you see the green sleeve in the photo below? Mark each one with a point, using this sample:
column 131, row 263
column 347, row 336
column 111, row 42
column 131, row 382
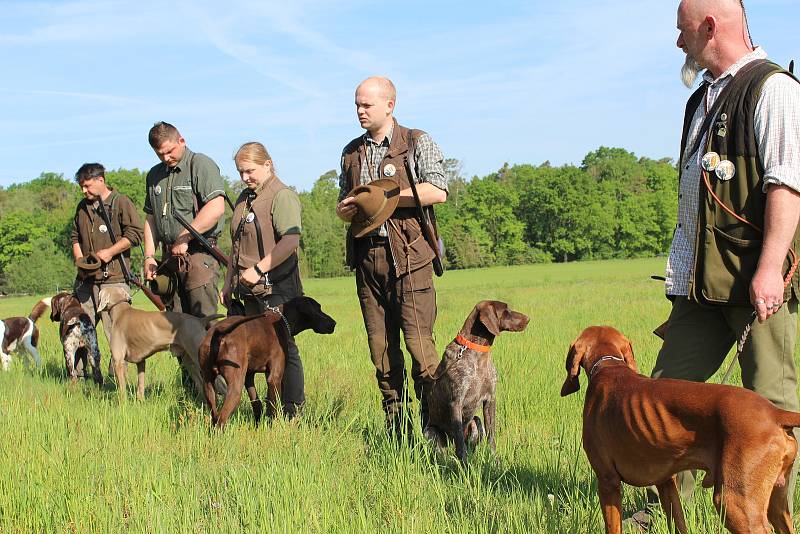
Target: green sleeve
column 286, row 212
column 209, row 180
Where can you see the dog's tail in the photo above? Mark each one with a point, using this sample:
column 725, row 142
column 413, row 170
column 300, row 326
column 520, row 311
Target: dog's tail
column 788, row 419
column 232, row 323
column 38, row 309
column 207, row 320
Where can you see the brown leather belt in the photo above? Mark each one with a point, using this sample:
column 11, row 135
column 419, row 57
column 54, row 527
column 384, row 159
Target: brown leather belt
column 372, row 241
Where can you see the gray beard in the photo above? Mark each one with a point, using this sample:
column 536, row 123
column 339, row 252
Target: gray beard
column 691, row 68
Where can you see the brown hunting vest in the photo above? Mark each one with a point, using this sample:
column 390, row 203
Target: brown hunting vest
column 726, row 249
column 247, row 251
column 407, row 245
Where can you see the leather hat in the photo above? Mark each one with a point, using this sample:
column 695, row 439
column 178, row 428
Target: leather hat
column 374, row 202
column 88, row 265
column 164, row 284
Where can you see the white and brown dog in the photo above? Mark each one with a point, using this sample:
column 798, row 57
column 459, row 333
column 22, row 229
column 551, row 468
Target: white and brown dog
column 18, row 333
column 78, row 335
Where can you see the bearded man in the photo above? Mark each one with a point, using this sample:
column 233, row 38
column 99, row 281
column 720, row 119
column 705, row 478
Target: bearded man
column 735, row 247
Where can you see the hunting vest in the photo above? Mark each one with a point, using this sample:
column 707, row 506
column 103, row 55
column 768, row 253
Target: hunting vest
column 253, row 237
column 407, row 245
column 91, row 233
column 726, row 249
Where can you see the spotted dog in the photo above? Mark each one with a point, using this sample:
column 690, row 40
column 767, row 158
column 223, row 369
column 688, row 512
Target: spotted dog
column 17, row 333
column 78, row 336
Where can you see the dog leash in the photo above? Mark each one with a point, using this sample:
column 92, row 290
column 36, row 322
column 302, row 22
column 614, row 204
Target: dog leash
column 278, row 311
column 740, row 347
column 753, row 317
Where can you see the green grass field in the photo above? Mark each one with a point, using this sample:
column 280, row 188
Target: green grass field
column 75, row 460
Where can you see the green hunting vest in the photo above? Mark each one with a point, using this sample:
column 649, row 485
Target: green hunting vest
column 726, row 249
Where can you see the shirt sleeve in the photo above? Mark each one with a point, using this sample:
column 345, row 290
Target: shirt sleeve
column 429, row 160
column 343, row 182
column 74, row 237
column 209, row 179
column 148, row 208
column 130, row 222
column 286, row 212
column 777, row 125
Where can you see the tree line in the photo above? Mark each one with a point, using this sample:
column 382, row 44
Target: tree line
column 614, row 205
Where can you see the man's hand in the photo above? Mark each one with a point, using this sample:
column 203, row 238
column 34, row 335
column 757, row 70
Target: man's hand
column 345, row 209
column 766, row 292
column 104, row 255
column 150, row 266
column 250, row 277
column 180, row 246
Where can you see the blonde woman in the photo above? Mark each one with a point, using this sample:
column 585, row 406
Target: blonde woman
column 265, row 235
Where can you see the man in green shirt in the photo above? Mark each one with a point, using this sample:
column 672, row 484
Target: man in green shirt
column 188, row 183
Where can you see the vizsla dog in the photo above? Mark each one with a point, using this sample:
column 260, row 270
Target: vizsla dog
column 138, row 334
column 240, row 346
column 466, row 378
column 642, row 431
column 17, row 333
column 78, row 336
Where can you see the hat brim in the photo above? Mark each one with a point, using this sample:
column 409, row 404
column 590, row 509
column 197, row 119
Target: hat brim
column 89, row 263
column 360, row 228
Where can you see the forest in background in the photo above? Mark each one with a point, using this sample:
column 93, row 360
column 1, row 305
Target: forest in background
column 614, row 205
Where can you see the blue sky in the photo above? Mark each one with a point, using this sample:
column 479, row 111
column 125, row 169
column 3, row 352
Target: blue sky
column 493, row 82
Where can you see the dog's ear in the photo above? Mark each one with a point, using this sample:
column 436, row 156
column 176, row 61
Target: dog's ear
column 574, row 359
column 489, row 316
column 104, row 298
column 55, row 307
column 627, row 354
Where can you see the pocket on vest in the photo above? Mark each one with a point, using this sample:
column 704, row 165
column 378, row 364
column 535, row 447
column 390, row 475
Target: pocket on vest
column 728, row 265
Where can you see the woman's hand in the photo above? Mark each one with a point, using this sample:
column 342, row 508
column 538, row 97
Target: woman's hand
column 249, row 277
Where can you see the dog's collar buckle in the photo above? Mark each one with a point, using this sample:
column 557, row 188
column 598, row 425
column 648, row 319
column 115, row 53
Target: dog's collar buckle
column 601, row 360
column 467, row 344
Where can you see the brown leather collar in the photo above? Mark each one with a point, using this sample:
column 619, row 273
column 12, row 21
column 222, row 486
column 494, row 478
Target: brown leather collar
column 594, row 369
column 464, row 342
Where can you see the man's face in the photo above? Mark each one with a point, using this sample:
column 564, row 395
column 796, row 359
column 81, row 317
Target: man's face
column 93, row 187
column 373, row 108
column 692, row 40
column 171, row 151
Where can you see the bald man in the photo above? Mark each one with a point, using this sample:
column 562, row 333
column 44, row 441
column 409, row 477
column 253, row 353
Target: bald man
column 393, row 268
column 727, row 262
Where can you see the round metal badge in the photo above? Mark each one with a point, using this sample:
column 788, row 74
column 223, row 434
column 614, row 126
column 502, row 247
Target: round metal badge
column 250, row 217
column 723, row 117
column 725, row 170
column 389, row 170
column 710, row 161
column 103, row 228
column 157, row 190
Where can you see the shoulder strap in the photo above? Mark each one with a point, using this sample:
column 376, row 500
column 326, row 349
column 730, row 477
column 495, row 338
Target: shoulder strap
column 741, row 78
column 193, row 178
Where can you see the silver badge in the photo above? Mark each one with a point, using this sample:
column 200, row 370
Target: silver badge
column 722, row 131
column 725, row 170
column 723, row 117
column 103, row 228
column 250, row 217
column 710, row 161
column 389, row 170
column 158, row 190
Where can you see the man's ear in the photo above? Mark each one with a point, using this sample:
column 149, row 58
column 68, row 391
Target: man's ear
column 574, row 359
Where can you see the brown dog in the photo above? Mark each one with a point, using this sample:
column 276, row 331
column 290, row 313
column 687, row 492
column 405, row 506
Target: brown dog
column 466, row 378
column 138, row 334
column 240, row 346
column 642, row 431
column 78, row 335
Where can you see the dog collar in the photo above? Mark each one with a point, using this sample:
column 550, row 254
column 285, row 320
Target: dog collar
column 464, row 342
column 601, row 360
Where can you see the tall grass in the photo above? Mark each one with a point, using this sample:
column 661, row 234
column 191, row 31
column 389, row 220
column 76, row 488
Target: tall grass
column 75, row 460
